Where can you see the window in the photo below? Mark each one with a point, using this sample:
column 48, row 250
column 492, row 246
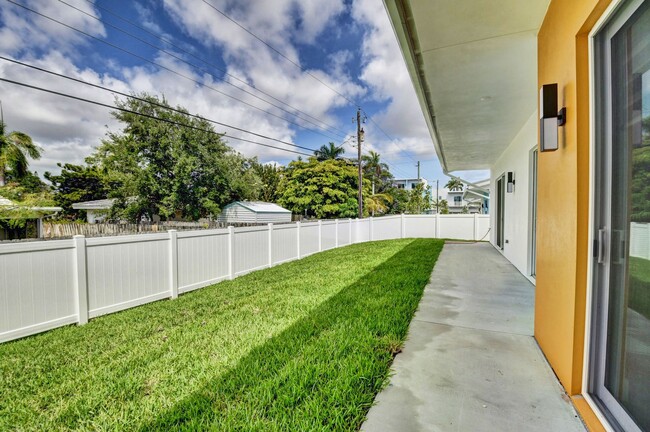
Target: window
column 457, row 200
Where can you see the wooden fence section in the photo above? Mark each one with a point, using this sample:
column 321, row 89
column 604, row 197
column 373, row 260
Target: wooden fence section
column 48, row 284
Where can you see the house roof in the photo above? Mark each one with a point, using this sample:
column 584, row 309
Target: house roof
column 259, row 206
column 474, row 67
column 103, row 204
column 4, row 202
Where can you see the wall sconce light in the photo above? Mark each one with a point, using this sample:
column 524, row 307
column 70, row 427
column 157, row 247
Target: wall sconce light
column 510, row 185
column 549, row 118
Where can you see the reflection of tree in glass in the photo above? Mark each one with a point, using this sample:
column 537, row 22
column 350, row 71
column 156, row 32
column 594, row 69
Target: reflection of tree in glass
column 641, row 177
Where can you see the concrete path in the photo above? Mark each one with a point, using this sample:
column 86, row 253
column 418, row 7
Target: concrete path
column 470, row 362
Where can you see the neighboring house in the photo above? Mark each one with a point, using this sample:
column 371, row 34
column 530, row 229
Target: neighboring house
column 408, row 183
column 489, row 77
column 455, row 200
column 254, row 212
column 96, row 210
column 33, row 227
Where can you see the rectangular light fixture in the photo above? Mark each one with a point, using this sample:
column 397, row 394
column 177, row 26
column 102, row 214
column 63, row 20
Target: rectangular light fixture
column 510, row 185
column 549, row 118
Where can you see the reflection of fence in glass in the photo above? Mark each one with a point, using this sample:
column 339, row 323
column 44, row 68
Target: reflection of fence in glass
column 640, row 240
column 49, row 284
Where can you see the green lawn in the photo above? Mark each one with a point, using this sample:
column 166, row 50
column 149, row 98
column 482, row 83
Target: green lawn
column 639, row 297
column 304, row 346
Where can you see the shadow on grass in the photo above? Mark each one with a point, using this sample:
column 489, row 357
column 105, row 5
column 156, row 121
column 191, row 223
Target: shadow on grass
column 323, row 372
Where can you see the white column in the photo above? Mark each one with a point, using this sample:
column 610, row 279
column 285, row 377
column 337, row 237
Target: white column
column 173, row 263
column 437, row 225
column 336, row 233
column 231, row 255
column 81, row 278
column 298, row 237
column 402, row 226
column 372, row 229
column 475, row 226
column 270, row 245
column 320, row 235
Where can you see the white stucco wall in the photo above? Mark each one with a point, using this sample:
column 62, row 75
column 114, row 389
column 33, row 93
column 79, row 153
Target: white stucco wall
column 516, row 158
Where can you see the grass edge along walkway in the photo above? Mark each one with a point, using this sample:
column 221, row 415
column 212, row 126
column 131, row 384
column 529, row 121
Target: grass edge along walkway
column 302, row 346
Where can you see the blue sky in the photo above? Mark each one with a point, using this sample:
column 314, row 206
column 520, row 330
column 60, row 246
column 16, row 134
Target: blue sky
column 350, row 46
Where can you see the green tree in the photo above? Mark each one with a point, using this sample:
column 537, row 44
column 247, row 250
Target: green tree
column 419, row 199
column 442, row 205
column 270, row 177
column 326, row 189
column 15, row 148
column 454, row 183
column 378, row 203
column 78, row 183
column 329, row 151
column 377, row 171
column 171, row 170
column 400, row 199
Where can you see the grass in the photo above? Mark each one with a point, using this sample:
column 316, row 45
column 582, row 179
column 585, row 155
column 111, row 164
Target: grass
column 639, row 298
column 302, row 346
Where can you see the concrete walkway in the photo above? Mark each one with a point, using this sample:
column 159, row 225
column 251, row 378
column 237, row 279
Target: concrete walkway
column 470, row 362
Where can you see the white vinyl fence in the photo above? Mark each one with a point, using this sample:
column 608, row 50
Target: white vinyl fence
column 640, row 240
column 49, row 284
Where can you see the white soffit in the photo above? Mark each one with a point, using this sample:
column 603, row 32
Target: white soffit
column 474, row 66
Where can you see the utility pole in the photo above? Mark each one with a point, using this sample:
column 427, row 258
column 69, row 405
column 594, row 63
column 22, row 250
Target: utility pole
column 418, row 165
column 359, row 139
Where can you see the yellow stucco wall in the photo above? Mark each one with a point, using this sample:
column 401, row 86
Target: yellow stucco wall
column 563, row 191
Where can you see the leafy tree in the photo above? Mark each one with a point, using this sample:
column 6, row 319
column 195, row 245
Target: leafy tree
column 442, row 205
column 329, row 151
column 377, row 171
column 15, row 148
column 171, row 170
column 78, row 183
column 270, row 177
column 419, row 199
column 326, row 189
column 454, row 183
column 377, row 203
column 399, row 200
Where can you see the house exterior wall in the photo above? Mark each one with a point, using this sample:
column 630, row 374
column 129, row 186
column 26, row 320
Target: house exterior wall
column 516, row 159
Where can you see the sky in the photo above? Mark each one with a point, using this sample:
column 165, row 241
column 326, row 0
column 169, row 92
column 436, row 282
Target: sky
column 326, row 57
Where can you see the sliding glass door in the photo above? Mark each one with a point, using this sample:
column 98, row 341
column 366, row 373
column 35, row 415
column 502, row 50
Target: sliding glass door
column 620, row 358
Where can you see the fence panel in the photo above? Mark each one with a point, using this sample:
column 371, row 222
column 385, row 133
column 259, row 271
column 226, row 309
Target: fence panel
column 308, row 238
column 483, row 227
column 250, row 249
column 285, row 243
column 362, row 228
column 36, row 288
column 387, row 227
column 328, row 233
column 420, row 226
column 640, row 240
column 344, row 227
column 126, row 271
column 202, row 258
column 457, row 227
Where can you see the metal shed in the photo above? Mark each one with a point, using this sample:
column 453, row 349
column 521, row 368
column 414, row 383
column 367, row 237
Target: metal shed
column 254, row 212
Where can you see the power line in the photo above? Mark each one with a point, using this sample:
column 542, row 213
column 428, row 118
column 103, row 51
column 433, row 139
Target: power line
column 131, row 96
column 69, row 96
column 389, row 137
column 330, row 128
column 163, row 67
column 278, row 51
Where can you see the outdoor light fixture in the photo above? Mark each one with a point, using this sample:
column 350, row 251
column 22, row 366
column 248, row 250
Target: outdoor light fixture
column 549, row 118
column 510, row 185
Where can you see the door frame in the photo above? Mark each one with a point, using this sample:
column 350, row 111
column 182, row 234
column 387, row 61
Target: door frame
column 532, row 210
column 500, row 210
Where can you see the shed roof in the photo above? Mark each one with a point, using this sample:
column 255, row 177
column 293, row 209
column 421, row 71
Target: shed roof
column 260, row 206
column 6, row 202
column 103, row 204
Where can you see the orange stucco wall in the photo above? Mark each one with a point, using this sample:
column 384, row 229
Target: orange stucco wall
column 563, row 191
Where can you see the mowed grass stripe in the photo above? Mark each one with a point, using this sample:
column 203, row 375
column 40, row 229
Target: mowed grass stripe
column 302, row 346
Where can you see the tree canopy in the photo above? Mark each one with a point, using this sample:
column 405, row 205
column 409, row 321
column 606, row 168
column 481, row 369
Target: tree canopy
column 78, row 183
column 15, row 148
column 329, row 151
column 180, row 169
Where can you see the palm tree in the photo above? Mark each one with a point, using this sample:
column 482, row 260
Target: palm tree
column 378, row 203
column 374, row 167
column 15, row 147
column 454, row 183
column 329, row 151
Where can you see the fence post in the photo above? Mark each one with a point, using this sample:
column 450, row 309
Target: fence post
column 437, row 225
column 270, row 245
column 336, row 233
column 173, row 263
column 475, row 227
column 372, row 229
column 356, row 230
column 350, row 231
column 298, row 237
column 81, row 278
column 320, row 235
column 402, row 226
column 231, row 255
